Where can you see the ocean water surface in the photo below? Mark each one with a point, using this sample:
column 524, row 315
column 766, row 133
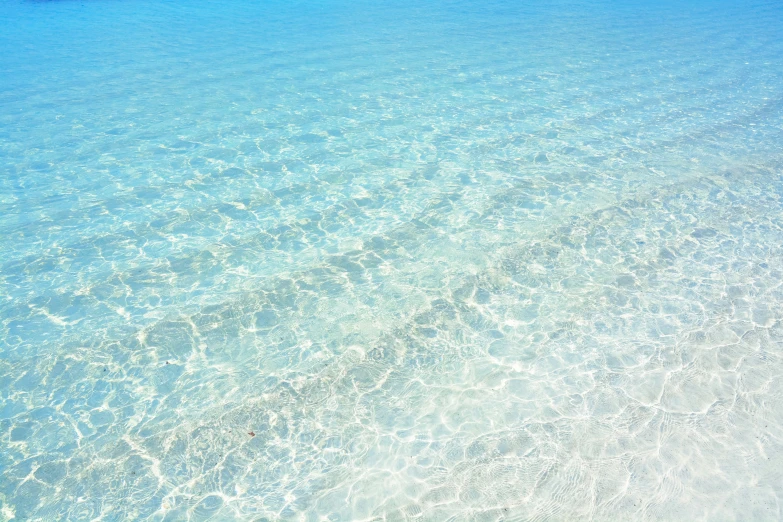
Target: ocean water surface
column 392, row 260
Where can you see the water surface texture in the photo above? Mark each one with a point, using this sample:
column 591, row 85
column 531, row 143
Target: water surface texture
column 436, row 260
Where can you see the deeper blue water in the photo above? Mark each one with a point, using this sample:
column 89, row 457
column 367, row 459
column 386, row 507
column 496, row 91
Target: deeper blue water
column 349, row 260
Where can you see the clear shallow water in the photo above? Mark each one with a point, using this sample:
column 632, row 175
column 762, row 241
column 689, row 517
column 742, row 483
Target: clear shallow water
column 452, row 260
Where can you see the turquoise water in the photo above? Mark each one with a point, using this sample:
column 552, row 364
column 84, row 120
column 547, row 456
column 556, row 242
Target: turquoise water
column 346, row 260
